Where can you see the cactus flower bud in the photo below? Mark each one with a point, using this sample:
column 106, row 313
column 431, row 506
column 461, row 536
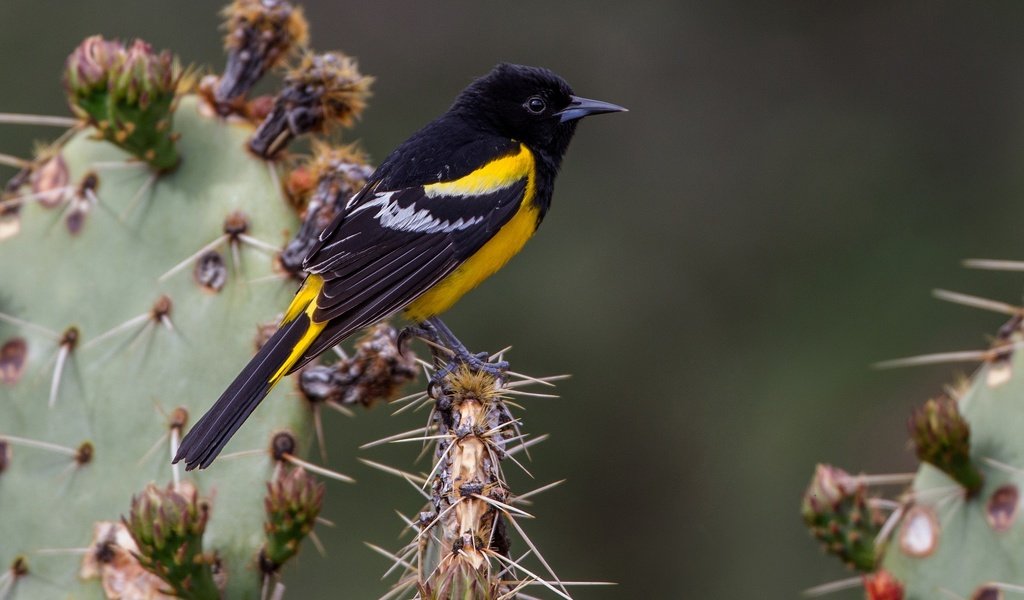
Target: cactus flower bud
column 836, row 510
column 145, row 76
column 942, row 438
column 128, row 95
column 89, row 67
column 168, row 528
column 882, row 586
column 292, row 504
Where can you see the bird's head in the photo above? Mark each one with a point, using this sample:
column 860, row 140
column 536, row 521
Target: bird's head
column 529, row 104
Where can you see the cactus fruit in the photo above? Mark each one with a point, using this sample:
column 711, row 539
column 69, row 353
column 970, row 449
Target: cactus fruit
column 955, row 532
column 139, row 261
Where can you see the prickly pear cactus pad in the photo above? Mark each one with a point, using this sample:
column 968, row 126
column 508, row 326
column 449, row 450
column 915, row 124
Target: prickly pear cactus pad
column 139, row 269
column 956, row 531
column 149, row 340
column 146, row 253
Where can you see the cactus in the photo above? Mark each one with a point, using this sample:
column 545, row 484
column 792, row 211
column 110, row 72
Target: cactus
column 462, row 544
column 139, row 261
column 144, row 256
column 955, row 531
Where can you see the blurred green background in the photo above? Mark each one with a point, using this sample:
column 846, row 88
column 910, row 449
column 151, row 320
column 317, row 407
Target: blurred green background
column 720, row 266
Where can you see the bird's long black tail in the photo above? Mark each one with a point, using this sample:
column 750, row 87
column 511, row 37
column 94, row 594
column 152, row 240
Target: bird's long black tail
column 209, row 435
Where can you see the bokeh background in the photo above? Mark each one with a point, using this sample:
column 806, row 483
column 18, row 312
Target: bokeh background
column 720, row 267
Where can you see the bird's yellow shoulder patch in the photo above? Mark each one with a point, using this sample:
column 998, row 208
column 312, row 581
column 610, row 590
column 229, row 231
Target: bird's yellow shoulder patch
column 497, row 251
column 495, row 175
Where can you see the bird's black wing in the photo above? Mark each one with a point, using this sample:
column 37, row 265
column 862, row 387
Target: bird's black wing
column 391, row 247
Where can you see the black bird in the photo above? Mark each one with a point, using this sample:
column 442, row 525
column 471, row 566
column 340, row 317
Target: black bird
column 444, row 211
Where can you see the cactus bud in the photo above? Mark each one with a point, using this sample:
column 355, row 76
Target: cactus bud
column 260, row 34
column 168, row 528
column 145, row 76
column 292, row 503
column 128, row 95
column 88, row 68
column 941, row 437
column 323, row 90
column 836, row 510
column 882, row 586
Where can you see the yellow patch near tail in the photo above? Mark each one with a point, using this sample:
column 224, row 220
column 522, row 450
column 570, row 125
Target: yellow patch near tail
column 304, row 302
column 307, row 294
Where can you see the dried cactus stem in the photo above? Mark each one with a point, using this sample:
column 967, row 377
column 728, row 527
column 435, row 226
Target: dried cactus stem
column 376, row 371
column 324, row 90
column 260, row 34
column 338, row 174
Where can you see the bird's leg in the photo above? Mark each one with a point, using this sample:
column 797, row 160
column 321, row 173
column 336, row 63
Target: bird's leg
column 435, row 331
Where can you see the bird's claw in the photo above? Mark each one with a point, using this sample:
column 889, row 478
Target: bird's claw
column 478, row 362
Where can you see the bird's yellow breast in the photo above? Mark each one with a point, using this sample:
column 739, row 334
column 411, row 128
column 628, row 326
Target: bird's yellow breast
column 493, row 255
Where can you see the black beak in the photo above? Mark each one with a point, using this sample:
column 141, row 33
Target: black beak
column 581, row 107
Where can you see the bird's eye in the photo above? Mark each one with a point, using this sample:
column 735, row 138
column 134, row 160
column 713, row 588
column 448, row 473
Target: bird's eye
column 536, row 105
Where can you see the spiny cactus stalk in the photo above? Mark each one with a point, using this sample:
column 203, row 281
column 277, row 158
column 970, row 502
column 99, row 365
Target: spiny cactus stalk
column 955, row 532
column 463, row 545
column 139, row 267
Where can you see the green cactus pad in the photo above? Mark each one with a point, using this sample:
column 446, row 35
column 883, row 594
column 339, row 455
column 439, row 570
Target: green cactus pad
column 949, row 540
column 95, row 267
